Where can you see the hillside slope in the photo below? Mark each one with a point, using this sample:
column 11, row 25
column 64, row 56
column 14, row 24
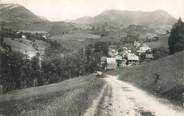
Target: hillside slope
column 17, row 16
column 163, row 77
column 26, row 46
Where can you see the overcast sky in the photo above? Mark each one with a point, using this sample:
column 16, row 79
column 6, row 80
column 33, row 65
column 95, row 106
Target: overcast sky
column 58, row 10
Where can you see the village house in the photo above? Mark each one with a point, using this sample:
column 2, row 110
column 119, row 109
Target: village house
column 132, row 59
column 111, row 64
column 149, row 55
column 143, row 49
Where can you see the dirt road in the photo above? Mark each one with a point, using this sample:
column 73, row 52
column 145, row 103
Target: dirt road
column 124, row 99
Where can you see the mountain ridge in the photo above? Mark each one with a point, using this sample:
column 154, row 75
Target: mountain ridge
column 18, row 17
column 16, row 12
column 127, row 17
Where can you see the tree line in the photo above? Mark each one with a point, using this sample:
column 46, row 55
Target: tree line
column 17, row 71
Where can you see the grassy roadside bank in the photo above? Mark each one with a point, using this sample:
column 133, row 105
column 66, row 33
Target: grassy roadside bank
column 163, row 77
column 68, row 98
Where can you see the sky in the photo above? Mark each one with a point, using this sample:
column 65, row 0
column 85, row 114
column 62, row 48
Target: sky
column 59, row 10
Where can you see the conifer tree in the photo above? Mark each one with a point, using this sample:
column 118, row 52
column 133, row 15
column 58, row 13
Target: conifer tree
column 176, row 39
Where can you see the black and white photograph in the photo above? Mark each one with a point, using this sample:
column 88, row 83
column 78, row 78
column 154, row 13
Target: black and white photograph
column 91, row 57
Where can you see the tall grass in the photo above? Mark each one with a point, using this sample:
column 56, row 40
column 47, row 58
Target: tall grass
column 69, row 98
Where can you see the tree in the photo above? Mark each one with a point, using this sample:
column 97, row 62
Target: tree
column 176, row 39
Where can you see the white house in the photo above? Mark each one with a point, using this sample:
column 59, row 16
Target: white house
column 132, row 59
column 143, row 49
column 111, row 64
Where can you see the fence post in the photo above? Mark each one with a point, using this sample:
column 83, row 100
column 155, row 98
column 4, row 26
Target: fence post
column 1, row 89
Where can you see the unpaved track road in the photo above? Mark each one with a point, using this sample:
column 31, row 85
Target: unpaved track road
column 124, row 99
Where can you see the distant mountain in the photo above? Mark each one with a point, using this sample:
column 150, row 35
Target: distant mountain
column 17, row 14
column 18, row 17
column 116, row 17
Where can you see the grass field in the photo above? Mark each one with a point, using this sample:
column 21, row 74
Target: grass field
column 164, row 77
column 68, row 98
column 76, row 35
column 20, row 45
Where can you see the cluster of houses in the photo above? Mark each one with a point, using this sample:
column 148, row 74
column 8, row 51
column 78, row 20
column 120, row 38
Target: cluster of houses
column 119, row 57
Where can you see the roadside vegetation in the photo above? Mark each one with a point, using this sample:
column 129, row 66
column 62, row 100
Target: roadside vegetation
column 68, row 98
column 163, row 77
